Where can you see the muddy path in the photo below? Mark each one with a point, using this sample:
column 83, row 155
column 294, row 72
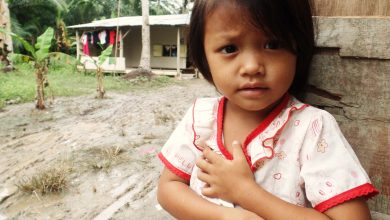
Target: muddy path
column 105, row 148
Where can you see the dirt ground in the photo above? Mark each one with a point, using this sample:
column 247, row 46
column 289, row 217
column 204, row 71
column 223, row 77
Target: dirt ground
column 106, row 150
column 74, row 134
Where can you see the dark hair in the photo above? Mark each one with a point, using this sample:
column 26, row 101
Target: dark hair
column 288, row 21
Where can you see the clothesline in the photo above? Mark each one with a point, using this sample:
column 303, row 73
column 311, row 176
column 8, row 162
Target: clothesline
column 103, row 37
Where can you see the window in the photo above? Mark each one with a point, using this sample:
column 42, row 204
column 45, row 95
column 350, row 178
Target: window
column 164, row 50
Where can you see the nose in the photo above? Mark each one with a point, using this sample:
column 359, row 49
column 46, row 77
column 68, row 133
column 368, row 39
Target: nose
column 252, row 63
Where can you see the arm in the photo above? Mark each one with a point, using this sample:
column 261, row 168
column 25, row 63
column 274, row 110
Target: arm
column 233, row 181
column 179, row 200
column 269, row 206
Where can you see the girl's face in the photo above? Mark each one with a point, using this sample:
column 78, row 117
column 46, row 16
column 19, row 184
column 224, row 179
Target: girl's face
column 251, row 70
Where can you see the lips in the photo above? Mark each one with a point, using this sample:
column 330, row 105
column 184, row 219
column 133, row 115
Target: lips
column 253, row 86
column 252, row 90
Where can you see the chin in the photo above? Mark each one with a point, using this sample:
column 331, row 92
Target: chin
column 255, row 108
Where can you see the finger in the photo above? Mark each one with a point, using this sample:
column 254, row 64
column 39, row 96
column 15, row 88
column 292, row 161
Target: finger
column 203, row 164
column 209, row 192
column 211, row 156
column 204, row 177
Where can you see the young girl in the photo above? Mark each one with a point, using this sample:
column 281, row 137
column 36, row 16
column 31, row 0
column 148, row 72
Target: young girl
column 293, row 163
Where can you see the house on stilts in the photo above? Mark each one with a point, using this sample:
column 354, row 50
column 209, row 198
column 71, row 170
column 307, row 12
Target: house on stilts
column 167, row 39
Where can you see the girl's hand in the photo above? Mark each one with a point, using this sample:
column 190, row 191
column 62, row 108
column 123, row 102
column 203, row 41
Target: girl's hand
column 225, row 179
column 239, row 213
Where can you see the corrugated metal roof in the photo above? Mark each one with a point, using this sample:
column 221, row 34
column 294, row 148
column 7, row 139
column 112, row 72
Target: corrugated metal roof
column 161, row 20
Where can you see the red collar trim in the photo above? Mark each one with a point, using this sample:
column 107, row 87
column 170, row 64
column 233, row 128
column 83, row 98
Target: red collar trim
column 262, row 126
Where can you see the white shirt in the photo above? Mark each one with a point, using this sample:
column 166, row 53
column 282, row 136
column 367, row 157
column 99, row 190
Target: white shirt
column 297, row 153
column 102, row 37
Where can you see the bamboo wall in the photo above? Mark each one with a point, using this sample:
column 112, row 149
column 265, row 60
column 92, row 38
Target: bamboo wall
column 351, row 7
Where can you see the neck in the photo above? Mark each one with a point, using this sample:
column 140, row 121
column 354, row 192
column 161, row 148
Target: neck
column 256, row 117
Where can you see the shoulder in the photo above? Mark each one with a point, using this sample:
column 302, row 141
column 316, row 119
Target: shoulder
column 206, row 103
column 205, row 110
column 310, row 122
column 314, row 114
column 204, row 121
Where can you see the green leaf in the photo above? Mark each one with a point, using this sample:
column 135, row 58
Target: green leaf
column 25, row 44
column 62, row 57
column 20, row 58
column 104, row 55
column 43, row 44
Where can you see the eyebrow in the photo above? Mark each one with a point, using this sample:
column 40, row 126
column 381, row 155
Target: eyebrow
column 229, row 35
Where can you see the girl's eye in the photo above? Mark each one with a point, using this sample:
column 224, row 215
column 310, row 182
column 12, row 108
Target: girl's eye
column 229, row 49
column 272, row 45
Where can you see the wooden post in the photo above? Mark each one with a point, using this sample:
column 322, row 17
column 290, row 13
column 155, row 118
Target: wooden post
column 120, row 44
column 77, row 45
column 178, row 54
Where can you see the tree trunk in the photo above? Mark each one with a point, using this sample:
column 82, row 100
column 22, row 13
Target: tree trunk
column 145, row 55
column 39, row 73
column 100, row 86
column 184, row 7
column 5, row 39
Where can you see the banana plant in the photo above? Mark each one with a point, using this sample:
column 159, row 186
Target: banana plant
column 39, row 55
column 106, row 53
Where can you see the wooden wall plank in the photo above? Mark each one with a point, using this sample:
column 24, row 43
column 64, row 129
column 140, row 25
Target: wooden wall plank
column 350, row 79
column 366, row 37
column 351, row 7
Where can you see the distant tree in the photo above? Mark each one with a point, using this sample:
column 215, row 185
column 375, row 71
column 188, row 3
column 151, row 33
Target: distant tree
column 29, row 19
column 131, row 8
column 145, row 54
column 5, row 40
column 186, row 6
column 39, row 55
column 85, row 11
column 164, row 7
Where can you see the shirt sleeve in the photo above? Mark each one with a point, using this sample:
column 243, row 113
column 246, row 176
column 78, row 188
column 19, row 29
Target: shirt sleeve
column 330, row 170
column 179, row 153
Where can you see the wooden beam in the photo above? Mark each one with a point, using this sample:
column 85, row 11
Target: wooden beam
column 178, row 54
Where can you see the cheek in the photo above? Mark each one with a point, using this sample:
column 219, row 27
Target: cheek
column 286, row 67
column 282, row 70
column 219, row 82
column 222, row 83
column 214, row 63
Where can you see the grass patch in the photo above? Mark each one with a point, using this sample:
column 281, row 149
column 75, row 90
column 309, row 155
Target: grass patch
column 2, row 105
column 52, row 180
column 64, row 80
column 19, row 84
column 104, row 158
column 161, row 118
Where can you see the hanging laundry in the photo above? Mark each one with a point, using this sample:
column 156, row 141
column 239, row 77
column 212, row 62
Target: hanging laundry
column 85, row 42
column 102, row 37
column 112, row 37
column 107, row 37
column 95, row 36
column 90, row 38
